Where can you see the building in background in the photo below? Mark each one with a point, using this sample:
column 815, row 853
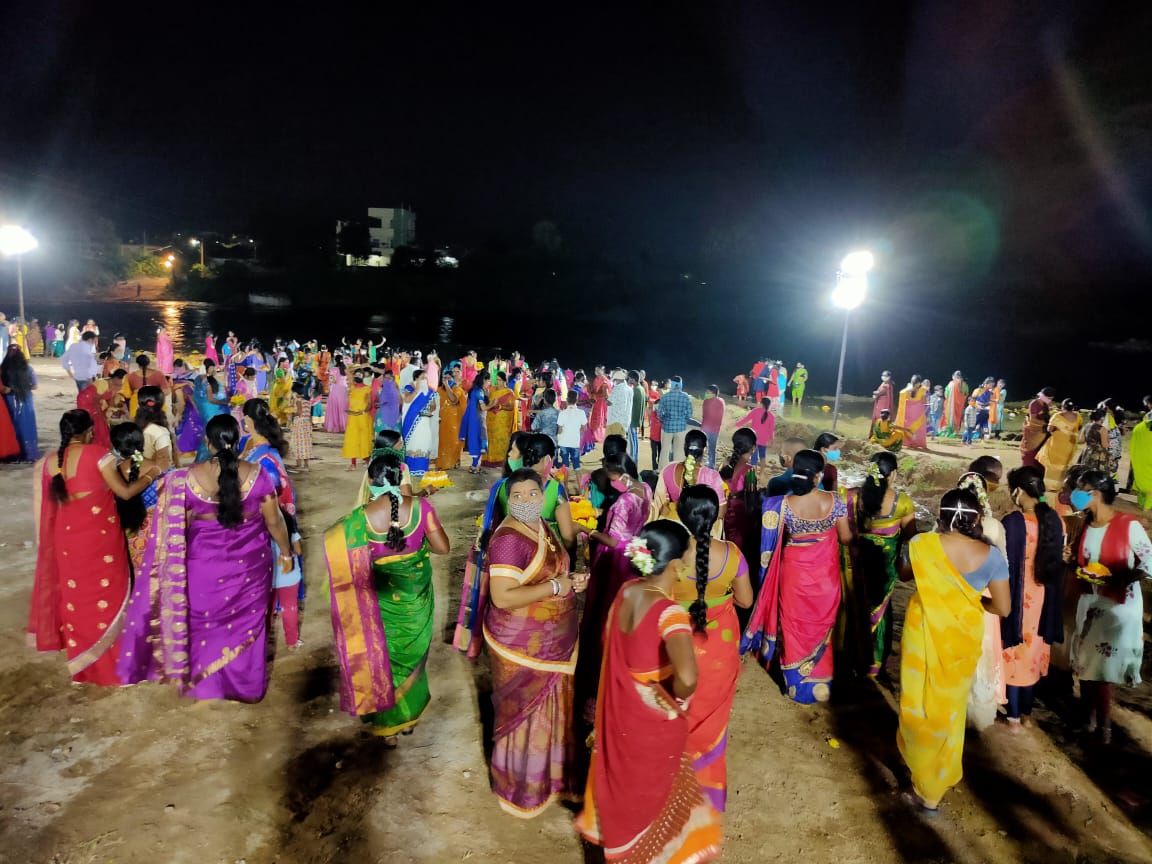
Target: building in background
column 373, row 242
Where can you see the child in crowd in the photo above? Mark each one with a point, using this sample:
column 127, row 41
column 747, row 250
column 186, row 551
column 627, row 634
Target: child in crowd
column 935, row 409
column 546, row 418
column 971, row 421
column 570, row 425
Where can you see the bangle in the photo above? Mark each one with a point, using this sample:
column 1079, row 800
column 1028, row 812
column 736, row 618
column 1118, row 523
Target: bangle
column 555, row 586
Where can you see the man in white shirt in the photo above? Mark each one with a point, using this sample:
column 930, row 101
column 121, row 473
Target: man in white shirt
column 570, row 425
column 79, row 360
column 619, row 405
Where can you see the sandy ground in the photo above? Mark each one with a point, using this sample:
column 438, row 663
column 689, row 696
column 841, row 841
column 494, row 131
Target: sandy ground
column 140, row 775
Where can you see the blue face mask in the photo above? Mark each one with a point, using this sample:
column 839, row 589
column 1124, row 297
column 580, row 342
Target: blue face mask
column 832, row 455
column 1080, row 499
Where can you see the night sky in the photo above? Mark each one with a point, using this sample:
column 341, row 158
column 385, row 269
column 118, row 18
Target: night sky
column 996, row 156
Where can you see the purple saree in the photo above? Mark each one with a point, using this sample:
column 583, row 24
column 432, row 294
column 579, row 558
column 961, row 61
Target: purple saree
column 533, row 653
column 198, row 617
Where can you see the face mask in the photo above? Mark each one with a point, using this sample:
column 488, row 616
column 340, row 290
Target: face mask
column 527, row 512
column 620, row 485
column 1080, row 499
column 515, row 464
column 832, row 455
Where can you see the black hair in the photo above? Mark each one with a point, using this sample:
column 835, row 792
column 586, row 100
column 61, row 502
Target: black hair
column 536, row 447
column 549, row 397
column 72, row 423
column 127, row 441
column 87, row 336
column 388, row 438
column 698, row 509
column 616, row 464
column 223, row 434
column 1098, row 481
column 519, row 440
column 825, row 439
column 807, row 470
column 1067, row 405
column 1050, row 536
column 667, row 540
column 572, row 396
column 266, row 424
column 142, row 361
column 873, row 491
column 695, row 444
column 118, row 374
column 618, row 445
column 389, row 468
column 1047, row 391
column 743, row 443
column 523, row 474
column 766, row 404
column 150, row 407
column 15, row 374
column 988, row 467
column 961, row 512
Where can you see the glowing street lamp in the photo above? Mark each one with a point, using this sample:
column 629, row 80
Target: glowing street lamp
column 14, row 242
column 194, row 242
column 851, row 288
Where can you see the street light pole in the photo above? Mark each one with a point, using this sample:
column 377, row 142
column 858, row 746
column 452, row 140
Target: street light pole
column 14, row 242
column 840, row 374
column 20, row 284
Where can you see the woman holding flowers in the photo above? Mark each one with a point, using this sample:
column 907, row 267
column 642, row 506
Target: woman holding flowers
column 643, row 802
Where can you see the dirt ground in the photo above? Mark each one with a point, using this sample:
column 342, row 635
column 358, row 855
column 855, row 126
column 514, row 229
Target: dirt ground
column 138, row 774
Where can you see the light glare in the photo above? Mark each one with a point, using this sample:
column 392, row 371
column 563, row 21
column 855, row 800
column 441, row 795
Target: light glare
column 849, row 291
column 857, row 262
column 15, row 240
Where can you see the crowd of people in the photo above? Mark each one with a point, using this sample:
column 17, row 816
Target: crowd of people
column 173, row 477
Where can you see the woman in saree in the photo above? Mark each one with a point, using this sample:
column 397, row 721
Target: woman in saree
column 882, row 519
column 201, row 604
column 210, row 348
column 1035, row 539
column 1113, row 556
column 211, row 401
column 610, row 569
column 82, row 566
column 245, row 389
column 189, row 425
column 418, row 426
column 1059, row 451
column 1035, row 430
column 136, row 512
column 742, row 515
column 800, row 582
column 280, row 395
column 164, row 353
column 598, row 419
column 530, row 628
column 678, row 476
column 643, row 802
column 1095, row 455
column 500, row 422
column 940, row 643
column 17, row 381
column 35, row 339
column 143, row 376
column 710, row 595
column 955, row 400
column 336, row 409
column 9, row 443
column 473, row 428
column 453, row 402
column 262, row 442
column 910, row 414
column 379, row 561
column 1140, row 453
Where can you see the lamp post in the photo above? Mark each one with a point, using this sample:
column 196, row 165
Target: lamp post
column 851, row 286
column 14, row 242
column 199, row 243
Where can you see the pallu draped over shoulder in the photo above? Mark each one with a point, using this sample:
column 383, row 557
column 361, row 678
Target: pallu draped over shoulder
column 643, row 803
column 718, row 668
column 80, row 592
column 201, row 605
column 799, row 598
column 939, row 647
column 533, row 653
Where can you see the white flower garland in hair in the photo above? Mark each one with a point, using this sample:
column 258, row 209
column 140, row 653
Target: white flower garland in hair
column 973, row 482
column 640, row 555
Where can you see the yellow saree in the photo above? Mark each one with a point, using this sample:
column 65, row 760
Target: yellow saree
column 939, row 648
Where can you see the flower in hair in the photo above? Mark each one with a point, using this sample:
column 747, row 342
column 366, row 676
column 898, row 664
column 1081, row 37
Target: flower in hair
column 137, row 458
column 874, row 473
column 640, row 555
column 974, row 483
column 690, row 470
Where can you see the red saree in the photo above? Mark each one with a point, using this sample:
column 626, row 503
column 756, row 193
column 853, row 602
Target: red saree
column 82, row 569
column 643, row 803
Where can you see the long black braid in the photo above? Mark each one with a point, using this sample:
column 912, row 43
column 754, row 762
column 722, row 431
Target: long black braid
column 388, row 468
column 72, row 423
column 698, row 509
column 127, row 441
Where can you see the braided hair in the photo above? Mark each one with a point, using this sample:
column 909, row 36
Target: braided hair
column 72, row 424
column 1050, row 534
column 743, row 443
column 127, row 442
column 807, row 469
column 266, row 424
column 223, row 434
column 387, row 468
column 875, row 486
column 698, row 509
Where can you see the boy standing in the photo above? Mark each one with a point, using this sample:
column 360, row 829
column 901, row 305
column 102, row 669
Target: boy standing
column 570, row 424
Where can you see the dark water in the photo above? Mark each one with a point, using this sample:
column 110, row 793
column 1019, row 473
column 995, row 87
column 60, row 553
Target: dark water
column 706, row 345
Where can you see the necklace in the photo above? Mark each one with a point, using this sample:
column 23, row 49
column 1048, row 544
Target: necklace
column 658, row 590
